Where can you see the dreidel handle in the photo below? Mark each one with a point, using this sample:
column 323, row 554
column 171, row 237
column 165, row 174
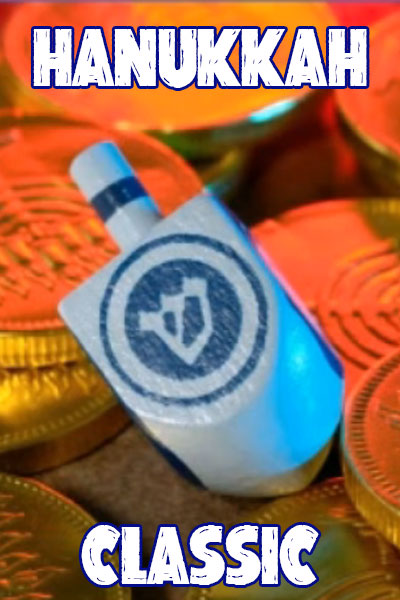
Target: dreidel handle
column 110, row 184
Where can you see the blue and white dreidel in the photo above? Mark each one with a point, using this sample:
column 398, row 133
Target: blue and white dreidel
column 201, row 342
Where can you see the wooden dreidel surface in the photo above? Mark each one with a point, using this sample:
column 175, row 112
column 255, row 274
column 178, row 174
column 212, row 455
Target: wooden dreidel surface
column 201, row 341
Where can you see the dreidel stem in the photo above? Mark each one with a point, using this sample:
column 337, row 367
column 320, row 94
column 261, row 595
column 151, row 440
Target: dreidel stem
column 110, row 184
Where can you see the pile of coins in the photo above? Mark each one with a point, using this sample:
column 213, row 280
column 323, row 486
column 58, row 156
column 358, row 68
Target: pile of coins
column 212, row 128
column 323, row 206
column 54, row 405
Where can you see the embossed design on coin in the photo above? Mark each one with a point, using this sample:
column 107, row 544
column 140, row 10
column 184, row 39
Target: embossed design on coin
column 359, row 305
column 342, row 257
column 372, row 446
column 40, row 536
column 50, row 238
column 23, row 573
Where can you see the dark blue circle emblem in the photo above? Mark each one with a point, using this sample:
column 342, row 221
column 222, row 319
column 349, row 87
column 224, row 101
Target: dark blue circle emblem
column 183, row 319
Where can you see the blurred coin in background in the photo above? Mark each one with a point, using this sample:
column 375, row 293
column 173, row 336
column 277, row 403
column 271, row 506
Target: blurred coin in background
column 310, row 162
column 372, row 115
column 362, row 13
column 198, row 123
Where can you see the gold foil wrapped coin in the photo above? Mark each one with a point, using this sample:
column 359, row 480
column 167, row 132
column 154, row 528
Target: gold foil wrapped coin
column 40, row 537
column 352, row 560
column 342, row 259
column 51, row 415
column 205, row 122
column 50, row 238
column 371, row 447
column 372, row 114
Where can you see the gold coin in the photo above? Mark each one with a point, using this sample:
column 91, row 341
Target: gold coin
column 371, row 447
column 50, row 238
column 352, row 561
column 51, row 415
column 196, row 122
column 40, row 537
column 349, row 282
column 372, row 114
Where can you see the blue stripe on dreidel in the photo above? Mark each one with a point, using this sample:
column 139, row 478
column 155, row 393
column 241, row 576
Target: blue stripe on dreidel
column 111, row 186
column 118, row 195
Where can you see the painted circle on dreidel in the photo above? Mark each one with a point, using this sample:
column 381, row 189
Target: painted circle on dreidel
column 171, row 316
column 199, row 324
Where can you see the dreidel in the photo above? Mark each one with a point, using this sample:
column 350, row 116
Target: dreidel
column 201, row 340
